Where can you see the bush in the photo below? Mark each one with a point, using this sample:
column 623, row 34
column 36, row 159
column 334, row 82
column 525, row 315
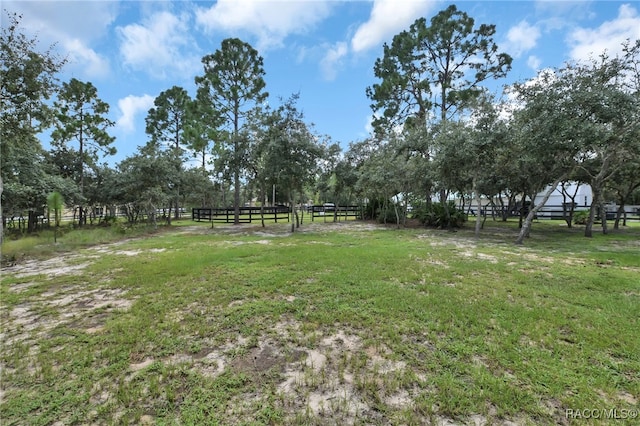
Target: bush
column 108, row 221
column 580, row 217
column 434, row 215
column 373, row 209
column 388, row 214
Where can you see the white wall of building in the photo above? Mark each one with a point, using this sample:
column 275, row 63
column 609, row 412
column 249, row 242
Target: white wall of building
column 583, row 198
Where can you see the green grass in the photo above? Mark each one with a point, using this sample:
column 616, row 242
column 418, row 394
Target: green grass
column 338, row 324
column 43, row 243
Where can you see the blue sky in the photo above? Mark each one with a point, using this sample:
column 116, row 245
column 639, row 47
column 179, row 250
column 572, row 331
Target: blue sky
column 325, row 50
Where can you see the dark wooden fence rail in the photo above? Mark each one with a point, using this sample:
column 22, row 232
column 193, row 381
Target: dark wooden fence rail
column 247, row 214
column 559, row 212
column 337, row 213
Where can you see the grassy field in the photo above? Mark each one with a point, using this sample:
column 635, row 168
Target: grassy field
column 348, row 323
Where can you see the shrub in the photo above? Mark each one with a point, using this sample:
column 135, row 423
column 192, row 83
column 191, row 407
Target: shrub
column 434, row 215
column 108, row 221
column 580, row 217
column 373, row 208
column 388, row 214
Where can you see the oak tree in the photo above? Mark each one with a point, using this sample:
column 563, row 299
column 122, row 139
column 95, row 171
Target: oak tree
column 27, row 81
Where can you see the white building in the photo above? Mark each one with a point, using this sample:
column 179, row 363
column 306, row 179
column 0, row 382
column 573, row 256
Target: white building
column 581, row 193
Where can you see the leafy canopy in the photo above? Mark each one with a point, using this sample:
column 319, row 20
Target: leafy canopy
column 434, row 70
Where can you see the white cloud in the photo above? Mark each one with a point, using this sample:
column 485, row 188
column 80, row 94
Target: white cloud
column 61, row 20
column 388, row 17
column 522, row 38
column 534, row 62
column 158, row 46
column 563, row 13
column 129, row 107
column 79, row 55
column 73, row 26
column 609, row 36
column 270, row 21
column 333, row 59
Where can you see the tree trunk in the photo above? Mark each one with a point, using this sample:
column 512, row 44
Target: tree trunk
column 236, row 197
column 476, row 194
column 603, row 213
column 236, row 166
column 445, row 208
column 595, row 203
column 405, row 210
column 526, row 226
column 292, row 211
column 32, row 222
column 395, row 209
column 1, row 215
column 81, row 218
column 619, row 213
column 520, row 219
column 153, row 217
column 564, row 206
column 262, row 202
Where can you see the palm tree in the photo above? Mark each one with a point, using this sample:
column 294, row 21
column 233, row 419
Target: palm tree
column 55, row 203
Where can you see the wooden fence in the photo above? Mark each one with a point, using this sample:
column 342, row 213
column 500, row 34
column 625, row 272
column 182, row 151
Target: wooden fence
column 335, row 213
column 247, row 214
column 278, row 213
column 557, row 212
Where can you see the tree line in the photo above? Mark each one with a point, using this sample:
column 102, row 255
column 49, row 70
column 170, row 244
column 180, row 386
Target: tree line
column 438, row 130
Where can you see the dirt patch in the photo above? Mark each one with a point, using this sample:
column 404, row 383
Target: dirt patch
column 74, row 305
column 49, row 268
column 268, row 355
column 111, row 249
column 240, row 243
column 70, row 307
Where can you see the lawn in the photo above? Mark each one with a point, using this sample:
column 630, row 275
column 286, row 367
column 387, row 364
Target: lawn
column 348, row 323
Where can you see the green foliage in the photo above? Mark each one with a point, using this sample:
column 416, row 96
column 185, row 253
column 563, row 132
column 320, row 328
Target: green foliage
column 581, row 217
column 81, row 117
column 435, row 215
column 55, row 202
column 167, row 120
column 202, row 126
column 372, row 208
column 287, row 152
column 387, row 214
column 232, row 85
column 27, row 81
column 148, row 181
column 434, row 68
column 109, row 220
column 167, row 124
